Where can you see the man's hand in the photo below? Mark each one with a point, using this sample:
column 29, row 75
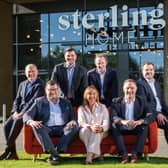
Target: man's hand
column 132, row 123
column 16, row 115
column 71, row 123
column 35, row 124
column 161, row 119
column 125, row 122
column 138, row 122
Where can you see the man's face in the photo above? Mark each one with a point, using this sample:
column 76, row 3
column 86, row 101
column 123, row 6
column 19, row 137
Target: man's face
column 148, row 71
column 129, row 90
column 31, row 73
column 70, row 58
column 52, row 92
column 100, row 63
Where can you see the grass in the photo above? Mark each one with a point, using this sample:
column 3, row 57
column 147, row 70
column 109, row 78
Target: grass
column 77, row 161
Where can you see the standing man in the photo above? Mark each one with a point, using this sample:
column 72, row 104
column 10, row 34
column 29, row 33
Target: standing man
column 150, row 89
column 104, row 79
column 28, row 90
column 71, row 77
column 130, row 115
column 52, row 116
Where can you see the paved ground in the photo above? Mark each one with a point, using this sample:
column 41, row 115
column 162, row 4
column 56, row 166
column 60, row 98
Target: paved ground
column 161, row 151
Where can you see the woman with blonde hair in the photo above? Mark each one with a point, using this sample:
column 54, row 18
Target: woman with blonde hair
column 93, row 119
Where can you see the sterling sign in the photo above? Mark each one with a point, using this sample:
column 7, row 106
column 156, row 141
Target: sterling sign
column 116, row 18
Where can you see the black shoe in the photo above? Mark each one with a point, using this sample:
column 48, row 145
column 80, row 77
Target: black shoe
column 53, row 160
column 124, row 159
column 134, row 158
column 12, row 156
column 4, row 155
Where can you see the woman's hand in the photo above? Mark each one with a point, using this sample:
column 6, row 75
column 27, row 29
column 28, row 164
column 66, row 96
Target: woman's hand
column 96, row 128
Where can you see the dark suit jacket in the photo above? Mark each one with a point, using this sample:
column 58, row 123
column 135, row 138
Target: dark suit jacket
column 40, row 110
column 22, row 102
column 79, row 81
column 110, row 86
column 145, row 91
column 141, row 110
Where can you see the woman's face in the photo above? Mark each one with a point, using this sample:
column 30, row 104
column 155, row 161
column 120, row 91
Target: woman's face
column 91, row 97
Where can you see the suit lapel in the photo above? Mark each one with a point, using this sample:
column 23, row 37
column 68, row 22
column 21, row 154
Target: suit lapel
column 157, row 89
column 105, row 79
column 64, row 75
column 148, row 87
column 24, row 89
column 97, row 76
column 46, row 109
column 135, row 108
column 75, row 75
column 123, row 108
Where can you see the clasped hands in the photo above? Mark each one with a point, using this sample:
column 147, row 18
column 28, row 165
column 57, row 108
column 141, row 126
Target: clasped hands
column 132, row 123
column 96, row 128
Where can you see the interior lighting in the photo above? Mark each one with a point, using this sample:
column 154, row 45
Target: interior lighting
column 31, row 49
column 63, row 38
column 28, row 36
column 37, row 30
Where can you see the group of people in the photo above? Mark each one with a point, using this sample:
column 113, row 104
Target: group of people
column 95, row 93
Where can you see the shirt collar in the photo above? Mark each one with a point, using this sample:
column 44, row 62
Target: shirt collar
column 33, row 81
column 66, row 66
column 54, row 103
column 128, row 101
column 150, row 80
column 101, row 73
column 95, row 106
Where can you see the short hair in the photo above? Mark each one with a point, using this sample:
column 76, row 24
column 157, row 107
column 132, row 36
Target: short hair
column 31, row 66
column 51, row 83
column 147, row 63
column 129, row 80
column 87, row 90
column 69, row 50
column 101, row 55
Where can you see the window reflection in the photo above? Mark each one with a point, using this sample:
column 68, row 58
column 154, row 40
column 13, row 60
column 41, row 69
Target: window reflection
column 39, row 38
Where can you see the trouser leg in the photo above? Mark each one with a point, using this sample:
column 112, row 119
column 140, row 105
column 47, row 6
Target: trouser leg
column 42, row 135
column 165, row 129
column 12, row 129
column 15, row 131
column 68, row 135
column 118, row 138
column 141, row 132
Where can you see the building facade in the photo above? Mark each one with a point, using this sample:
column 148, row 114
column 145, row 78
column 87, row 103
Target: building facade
column 38, row 31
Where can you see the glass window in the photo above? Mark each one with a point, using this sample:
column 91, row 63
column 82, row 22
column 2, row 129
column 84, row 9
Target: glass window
column 121, row 29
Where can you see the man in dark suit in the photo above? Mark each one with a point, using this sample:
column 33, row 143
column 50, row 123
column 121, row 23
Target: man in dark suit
column 130, row 115
column 52, row 116
column 28, row 90
column 104, row 79
column 150, row 89
column 71, row 77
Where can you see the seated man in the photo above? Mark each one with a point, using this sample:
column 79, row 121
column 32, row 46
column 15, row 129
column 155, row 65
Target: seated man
column 28, row 90
column 52, row 116
column 130, row 115
column 149, row 88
